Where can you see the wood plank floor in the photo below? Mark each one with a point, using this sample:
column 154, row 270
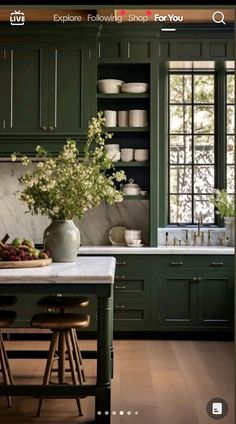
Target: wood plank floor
column 155, row 382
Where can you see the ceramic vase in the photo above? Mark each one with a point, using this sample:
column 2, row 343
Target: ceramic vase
column 229, row 229
column 62, row 239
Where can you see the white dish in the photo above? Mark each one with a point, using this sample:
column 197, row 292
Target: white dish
column 135, row 245
column 109, row 86
column 116, row 235
column 134, row 87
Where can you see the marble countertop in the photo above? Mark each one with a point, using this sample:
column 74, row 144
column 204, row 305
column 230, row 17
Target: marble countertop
column 86, row 270
column 162, row 250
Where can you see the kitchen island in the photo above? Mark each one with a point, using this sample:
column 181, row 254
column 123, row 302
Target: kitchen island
column 88, row 275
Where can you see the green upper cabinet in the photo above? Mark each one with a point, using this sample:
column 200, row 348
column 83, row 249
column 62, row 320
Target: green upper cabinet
column 45, row 88
column 48, row 85
column 128, row 43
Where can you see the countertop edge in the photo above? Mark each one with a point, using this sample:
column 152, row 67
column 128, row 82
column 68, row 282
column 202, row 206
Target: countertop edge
column 111, row 250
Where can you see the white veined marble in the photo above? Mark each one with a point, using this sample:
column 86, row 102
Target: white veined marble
column 85, row 270
column 94, row 226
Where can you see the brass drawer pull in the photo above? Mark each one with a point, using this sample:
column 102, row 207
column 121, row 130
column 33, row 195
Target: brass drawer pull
column 197, row 279
column 121, row 263
column 217, row 263
column 120, row 287
column 120, row 306
column 176, row 263
column 119, row 277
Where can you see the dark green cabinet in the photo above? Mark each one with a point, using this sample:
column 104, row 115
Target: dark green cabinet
column 196, row 293
column 46, row 86
column 132, row 293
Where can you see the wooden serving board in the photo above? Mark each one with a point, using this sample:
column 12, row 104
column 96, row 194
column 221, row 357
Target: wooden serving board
column 25, row 264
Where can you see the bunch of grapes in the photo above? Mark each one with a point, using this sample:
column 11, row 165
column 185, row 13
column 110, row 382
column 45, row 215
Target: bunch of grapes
column 21, row 250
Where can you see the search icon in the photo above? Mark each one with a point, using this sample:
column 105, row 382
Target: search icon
column 218, row 17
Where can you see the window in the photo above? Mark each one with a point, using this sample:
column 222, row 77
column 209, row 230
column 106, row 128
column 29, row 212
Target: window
column 192, row 143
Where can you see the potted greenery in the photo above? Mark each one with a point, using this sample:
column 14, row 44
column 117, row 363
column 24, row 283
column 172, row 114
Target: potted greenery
column 225, row 207
column 66, row 186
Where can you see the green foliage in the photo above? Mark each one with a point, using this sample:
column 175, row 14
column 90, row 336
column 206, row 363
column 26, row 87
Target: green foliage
column 223, row 203
column 68, row 185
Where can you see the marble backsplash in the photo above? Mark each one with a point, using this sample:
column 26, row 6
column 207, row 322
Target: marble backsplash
column 94, row 226
column 178, row 236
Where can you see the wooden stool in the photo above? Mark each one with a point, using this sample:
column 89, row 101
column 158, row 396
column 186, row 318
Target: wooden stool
column 62, row 341
column 62, row 303
column 6, row 319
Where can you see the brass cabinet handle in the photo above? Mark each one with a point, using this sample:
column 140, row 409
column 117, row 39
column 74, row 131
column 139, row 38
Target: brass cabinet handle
column 119, row 277
column 176, row 263
column 120, row 306
column 121, row 263
column 120, row 287
column 196, row 279
column 217, row 263
column 51, row 128
column 44, row 128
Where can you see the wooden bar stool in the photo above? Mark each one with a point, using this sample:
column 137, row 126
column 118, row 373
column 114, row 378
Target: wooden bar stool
column 6, row 319
column 62, row 342
column 62, row 304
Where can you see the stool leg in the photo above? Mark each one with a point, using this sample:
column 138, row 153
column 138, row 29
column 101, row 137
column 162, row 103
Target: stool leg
column 48, row 369
column 5, row 375
column 76, row 351
column 72, row 366
column 6, row 360
column 62, row 357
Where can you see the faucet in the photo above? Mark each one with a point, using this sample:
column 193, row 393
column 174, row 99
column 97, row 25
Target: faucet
column 199, row 223
column 199, row 233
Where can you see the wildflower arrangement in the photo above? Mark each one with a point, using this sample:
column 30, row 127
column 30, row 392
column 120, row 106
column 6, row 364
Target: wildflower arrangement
column 223, row 203
column 66, row 186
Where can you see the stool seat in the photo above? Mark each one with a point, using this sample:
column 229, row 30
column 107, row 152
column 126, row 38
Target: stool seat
column 63, row 302
column 57, row 321
column 7, row 318
column 7, row 300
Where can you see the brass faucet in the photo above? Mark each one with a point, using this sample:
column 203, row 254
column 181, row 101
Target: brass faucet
column 199, row 233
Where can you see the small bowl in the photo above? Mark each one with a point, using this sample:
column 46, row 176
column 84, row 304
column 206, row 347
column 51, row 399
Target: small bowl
column 134, row 87
column 109, row 86
column 136, row 242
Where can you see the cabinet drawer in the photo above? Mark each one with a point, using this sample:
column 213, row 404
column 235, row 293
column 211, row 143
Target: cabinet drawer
column 185, row 261
column 132, row 265
column 131, row 315
column 135, row 288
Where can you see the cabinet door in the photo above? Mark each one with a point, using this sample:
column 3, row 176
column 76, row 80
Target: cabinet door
column 70, row 88
column 24, row 98
column 177, row 299
column 215, row 299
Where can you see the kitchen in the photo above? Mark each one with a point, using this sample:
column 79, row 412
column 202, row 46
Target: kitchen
column 179, row 285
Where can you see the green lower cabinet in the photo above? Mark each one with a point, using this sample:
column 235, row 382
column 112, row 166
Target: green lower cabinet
column 196, row 297
column 177, row 297
column 132, row 293
column 215, row 300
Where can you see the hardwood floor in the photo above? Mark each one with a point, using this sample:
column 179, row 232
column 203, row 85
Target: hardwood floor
column 165, row 382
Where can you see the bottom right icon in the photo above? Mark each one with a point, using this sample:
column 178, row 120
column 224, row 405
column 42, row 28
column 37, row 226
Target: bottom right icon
column 217, row 408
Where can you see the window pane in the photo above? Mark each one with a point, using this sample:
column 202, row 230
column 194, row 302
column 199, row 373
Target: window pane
column 204, row 179
column 204, row 151
column 180, row 88
column 180, row 209
column 203, row 204
column 230, row 178
column 204, row 89
column 180, row 119
column 230, row 88
column 230, row 149
column 180, row 179
column 230, row 120
column 180, row 149
column 204, row 119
